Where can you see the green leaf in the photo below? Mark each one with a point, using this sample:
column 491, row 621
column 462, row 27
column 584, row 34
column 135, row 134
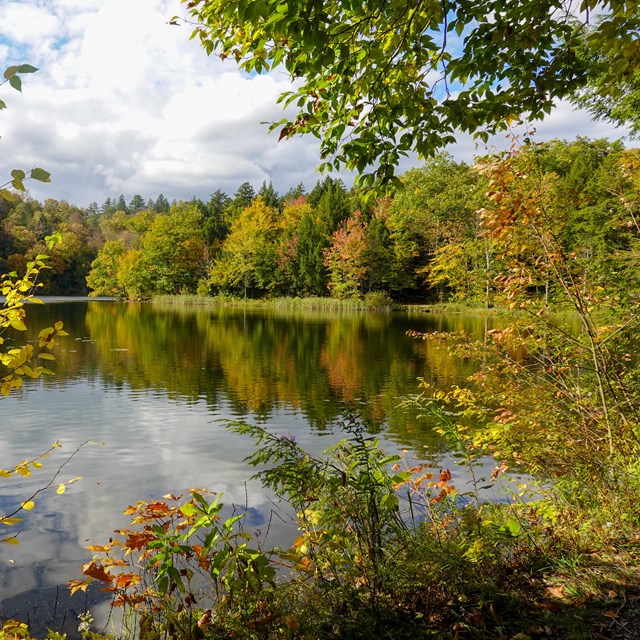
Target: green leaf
column 41, row 175
column 3, row 104
column 27, row 68
column 18, row 174
column 189, row 509
column 16, row 83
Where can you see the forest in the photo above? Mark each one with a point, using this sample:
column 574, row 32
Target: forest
column 426, row 243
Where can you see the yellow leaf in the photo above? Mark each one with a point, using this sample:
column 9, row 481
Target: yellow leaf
column 23, row 470
column 10, row 521
column 61, row 488
column 79, row 585
column 28, row 505
column 46, row 356
column 11, row 540
column 58, row 326
column 36, row 464
column 16, row 323
column 74, row 480
column 5, row 474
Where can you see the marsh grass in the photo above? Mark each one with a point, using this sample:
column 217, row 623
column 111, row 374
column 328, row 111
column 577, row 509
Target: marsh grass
column 371, row 301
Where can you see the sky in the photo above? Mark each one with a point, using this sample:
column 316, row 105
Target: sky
column 124, row 103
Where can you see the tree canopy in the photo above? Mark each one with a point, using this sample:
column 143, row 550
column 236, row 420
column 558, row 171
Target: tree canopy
column 377, row 80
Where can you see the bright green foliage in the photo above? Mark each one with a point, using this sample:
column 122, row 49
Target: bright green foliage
column 103, row 277
column 613, row 89
column 166, row 254
column 436, row 206
column 249, row 253
column 377, row 81
column 457, row 267
column 172, row 250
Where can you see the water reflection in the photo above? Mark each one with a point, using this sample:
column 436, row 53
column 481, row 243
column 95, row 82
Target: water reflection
column 152, row 383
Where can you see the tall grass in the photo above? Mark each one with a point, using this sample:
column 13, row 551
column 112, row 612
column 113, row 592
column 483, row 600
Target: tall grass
column 371, row 301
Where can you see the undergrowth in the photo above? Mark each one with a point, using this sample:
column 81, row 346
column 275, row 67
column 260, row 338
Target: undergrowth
column 386, row 548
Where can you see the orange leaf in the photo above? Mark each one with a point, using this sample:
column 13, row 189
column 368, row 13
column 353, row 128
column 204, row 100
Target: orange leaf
column 125, row 580
column 97, row 571
column 137, row 540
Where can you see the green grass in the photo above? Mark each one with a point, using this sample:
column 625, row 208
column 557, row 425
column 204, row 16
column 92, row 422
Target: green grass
column 369, row 302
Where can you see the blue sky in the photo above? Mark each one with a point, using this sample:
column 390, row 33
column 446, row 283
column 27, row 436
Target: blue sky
column 125, row 103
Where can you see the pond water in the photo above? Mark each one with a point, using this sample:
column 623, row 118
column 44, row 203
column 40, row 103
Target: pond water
column 153, row 384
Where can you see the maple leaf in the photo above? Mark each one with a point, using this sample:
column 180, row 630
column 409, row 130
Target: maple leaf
column 97, row 571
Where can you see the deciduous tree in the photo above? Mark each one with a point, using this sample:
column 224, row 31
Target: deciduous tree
column 375, row 81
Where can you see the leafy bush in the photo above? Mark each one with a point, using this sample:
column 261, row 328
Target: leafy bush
column 377, row 300
column 384, row 547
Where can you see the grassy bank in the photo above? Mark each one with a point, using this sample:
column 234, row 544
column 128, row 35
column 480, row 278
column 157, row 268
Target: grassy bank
column 371, row 302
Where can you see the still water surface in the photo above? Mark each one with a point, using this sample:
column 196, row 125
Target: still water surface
column 153, row 383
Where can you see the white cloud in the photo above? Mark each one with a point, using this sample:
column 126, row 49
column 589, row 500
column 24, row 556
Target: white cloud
column 29, row 23
column 125, row 103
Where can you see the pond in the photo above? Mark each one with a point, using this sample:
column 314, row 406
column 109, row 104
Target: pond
column 153, row 385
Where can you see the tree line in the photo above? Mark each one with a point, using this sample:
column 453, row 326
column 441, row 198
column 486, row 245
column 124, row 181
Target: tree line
column 427, row 242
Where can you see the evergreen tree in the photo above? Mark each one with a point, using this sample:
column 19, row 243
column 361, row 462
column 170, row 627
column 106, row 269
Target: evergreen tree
column 108, row 207
column 121, row 205
column 313, row 239
column 242, row 198
column 136, row 203
column 331, row 200
column 294, row 193
column 162, row 205
column 270, row 195
column 216, row 226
